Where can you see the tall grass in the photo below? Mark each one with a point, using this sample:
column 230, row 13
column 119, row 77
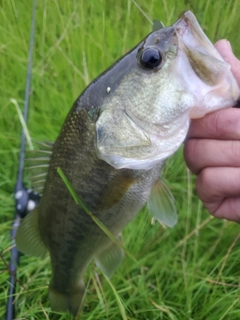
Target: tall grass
column 188, row 272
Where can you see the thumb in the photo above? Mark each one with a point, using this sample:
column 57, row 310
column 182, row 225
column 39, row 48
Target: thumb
column 225, row 49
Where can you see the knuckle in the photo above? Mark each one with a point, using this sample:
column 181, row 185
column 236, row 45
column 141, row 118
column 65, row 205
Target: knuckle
column 213, row 209
column 216, row 125
column 204, row 185
column 235, row 152
column 223, row 123
column 190, row 154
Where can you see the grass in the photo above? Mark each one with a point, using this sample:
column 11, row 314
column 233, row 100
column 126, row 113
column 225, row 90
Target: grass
column 188, row 272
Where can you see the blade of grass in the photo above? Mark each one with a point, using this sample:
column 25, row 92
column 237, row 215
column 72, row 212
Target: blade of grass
column 26, row 132
column 78, row 200
column 119, row 301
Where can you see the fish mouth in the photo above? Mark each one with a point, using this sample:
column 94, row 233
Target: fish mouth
column 192, row 36
column 204, row 65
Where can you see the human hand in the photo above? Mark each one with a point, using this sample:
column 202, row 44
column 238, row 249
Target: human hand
column 212, row 152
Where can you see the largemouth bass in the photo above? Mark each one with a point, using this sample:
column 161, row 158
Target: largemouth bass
column 112, row 147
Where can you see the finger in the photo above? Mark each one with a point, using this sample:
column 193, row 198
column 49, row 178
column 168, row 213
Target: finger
column 215, row 184
column 202, row 153
column 224, row 48
column 228, row 209
column 222, row 124
column 219, row 190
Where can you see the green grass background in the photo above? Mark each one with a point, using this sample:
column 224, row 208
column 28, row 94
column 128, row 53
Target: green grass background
column 188, row 272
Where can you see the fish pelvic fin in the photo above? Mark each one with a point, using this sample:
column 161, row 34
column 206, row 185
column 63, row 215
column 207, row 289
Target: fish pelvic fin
column 28, row 239
column 161, row 204
column 67, row 302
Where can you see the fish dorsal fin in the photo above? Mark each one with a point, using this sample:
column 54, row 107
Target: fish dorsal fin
column 161, row 204
column 44, row 145
column 38, row 163
column 110, row 259
column 28, row 238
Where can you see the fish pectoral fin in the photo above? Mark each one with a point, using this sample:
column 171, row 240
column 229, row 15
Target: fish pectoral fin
column 28, row 238
column 115, row 190
column 161, row 204
column 110, row 259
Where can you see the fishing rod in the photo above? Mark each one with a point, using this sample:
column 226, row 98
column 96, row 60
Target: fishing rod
column 25, row 199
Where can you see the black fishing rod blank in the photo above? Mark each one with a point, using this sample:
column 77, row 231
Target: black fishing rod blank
column 25, row 199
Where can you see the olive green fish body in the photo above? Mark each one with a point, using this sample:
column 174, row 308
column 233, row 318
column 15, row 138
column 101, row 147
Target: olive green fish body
column 112, row 147
column 114, row 196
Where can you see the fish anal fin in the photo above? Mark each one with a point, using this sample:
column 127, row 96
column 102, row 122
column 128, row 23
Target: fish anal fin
column 28, row 238
column 110, row 259
column 161, row 204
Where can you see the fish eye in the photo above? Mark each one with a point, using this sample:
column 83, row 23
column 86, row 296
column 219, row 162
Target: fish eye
column 150, row 58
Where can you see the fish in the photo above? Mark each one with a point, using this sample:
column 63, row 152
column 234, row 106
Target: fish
column 112, row 147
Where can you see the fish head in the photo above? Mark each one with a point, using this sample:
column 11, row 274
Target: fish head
column 174, row 75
